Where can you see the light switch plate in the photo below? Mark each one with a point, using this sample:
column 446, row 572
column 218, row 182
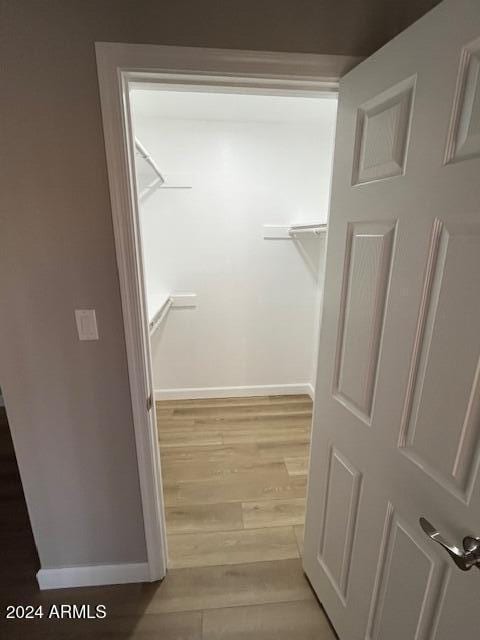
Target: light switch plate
column 86, row 324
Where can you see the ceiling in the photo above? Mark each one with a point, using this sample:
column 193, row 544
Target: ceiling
column 197, row 105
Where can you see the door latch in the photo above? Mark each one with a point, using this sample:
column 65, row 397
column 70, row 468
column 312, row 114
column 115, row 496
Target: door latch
column 149, row 402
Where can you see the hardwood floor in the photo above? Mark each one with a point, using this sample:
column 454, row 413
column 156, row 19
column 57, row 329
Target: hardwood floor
column 234, row 474
column 234, row 507
column 234, row 477
column 16, row 539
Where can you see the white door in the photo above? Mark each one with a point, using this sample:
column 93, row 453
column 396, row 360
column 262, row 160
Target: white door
column 397, row 405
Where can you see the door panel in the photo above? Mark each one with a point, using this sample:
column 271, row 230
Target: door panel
column 454, row 611
column 383, row 125
column 397, row 403
column 446, row 342
column 339, row 520
column 406, row 585
column 464, row 138
column 367, row 269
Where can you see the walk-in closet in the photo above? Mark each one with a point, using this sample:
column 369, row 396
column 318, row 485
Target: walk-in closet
column 233, row 191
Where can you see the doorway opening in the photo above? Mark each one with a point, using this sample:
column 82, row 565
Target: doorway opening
column 122, row 70
column 16, row 534
column 232, row 192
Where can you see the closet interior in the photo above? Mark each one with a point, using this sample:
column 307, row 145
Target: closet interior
column 233, row 193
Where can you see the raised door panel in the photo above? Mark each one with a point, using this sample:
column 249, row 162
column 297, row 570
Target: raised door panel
column 459, row 617
column 365, row 284
column 339, row 521
column 409, row 579
column 464, row 136
column 383, row 126
column 441, row 420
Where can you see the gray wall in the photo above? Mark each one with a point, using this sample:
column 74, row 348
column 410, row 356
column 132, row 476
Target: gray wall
column 68, row 402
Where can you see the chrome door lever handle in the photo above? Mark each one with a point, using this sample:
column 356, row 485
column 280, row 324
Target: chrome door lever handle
column 464, row 559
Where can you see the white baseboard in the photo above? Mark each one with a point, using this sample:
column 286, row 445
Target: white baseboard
column 234, row 392
column 92, row 575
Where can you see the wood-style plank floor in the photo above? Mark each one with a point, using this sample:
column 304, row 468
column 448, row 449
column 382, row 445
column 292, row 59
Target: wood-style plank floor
column 234, row 478
column 235, row 506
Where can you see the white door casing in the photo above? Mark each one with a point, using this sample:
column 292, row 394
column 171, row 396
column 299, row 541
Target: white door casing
column 397, row 404
column 121, row 66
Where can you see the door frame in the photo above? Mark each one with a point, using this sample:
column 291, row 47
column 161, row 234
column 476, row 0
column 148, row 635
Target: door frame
column 119, row 66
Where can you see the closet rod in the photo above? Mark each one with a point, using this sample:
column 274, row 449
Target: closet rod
column 317, row 229
column 148, row 158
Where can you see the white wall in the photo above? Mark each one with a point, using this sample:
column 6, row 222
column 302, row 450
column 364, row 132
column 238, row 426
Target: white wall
column 257, row 315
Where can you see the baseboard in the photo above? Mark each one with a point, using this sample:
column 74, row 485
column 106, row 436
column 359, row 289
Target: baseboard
column 311, row 391
column 92, row 575
column 234, row 392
